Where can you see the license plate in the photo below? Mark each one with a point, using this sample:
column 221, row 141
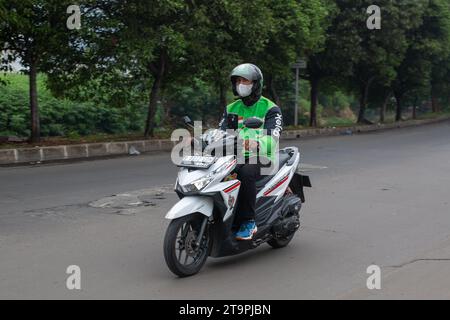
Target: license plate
column 197, row 162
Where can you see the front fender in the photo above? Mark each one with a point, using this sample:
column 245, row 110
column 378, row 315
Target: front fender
column 193, row 204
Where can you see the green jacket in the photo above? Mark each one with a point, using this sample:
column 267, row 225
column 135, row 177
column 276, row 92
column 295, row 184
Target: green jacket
column 263, row 109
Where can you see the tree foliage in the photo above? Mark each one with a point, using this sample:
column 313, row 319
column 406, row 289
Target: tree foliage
column 172, row 56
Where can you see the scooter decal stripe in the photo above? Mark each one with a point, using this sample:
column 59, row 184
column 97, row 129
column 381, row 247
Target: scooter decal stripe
column 231, row 164
column 276, row 186
column 232, row 187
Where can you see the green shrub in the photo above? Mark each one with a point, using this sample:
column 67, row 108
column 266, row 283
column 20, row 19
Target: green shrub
column 341, row 101
column 62, row 117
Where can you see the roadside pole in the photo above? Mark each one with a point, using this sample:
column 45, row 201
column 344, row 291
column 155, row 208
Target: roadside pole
column 300, row 64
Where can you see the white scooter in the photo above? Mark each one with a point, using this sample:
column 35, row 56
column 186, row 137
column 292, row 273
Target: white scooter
column 204, row 220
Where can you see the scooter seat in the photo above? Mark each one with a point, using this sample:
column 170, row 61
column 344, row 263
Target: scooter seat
column 284, row 157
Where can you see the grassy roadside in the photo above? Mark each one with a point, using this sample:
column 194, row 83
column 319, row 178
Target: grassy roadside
column 99, row 138
column 102, row 137
column 433, row 115
column 348, row 123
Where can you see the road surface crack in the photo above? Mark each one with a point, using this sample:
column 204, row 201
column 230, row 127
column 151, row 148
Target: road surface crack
column 54, row 212
column 420, row 260
column 129, row 203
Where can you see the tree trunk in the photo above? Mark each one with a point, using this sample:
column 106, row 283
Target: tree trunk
column 384, row 107
column 168, row 105
column 448, row 97
column 398, row 112
column 167, row 110
column 154, row 95
column 272, row 91
column 223, row 95
column 434, row 101
column 34, row 107
column 314, row 102
column 364, row 93
column 414, row 110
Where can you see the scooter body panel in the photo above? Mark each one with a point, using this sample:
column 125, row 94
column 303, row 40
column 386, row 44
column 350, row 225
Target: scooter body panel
column 191, row 204
column 277, row 186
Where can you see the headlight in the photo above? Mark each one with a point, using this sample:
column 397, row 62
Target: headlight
column 198, row 185
column 201, row 183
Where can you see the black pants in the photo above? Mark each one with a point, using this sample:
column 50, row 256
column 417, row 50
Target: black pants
column 248, row 174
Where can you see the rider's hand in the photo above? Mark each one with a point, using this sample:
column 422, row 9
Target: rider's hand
column 188, row 141
column 251, row 145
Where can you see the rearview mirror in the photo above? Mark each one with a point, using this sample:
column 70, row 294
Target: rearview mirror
column 187, row 120
column 253, row 123
column 232, row 121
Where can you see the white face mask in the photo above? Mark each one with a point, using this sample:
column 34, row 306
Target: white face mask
column 244, row 90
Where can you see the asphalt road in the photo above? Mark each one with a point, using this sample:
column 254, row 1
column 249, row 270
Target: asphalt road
column 382, row 200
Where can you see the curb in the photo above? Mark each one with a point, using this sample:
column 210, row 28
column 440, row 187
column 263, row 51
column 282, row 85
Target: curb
column 80, row 151
column 96, row 150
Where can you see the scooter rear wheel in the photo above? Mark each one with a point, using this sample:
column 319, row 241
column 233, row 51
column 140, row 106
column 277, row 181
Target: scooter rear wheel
column 277, row 243
column 183, row 257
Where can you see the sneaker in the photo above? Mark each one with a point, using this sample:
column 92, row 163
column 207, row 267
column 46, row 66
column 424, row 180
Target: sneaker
column 246, row 231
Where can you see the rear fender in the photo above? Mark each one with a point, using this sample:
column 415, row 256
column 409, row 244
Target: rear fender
column 297, row 184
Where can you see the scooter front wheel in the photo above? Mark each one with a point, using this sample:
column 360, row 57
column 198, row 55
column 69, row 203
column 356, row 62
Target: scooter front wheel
column 185, row 254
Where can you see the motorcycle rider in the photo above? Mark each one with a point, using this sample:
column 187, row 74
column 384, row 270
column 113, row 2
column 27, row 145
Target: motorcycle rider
column 247, row 84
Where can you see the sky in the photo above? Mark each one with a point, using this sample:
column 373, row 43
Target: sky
column 16, row 65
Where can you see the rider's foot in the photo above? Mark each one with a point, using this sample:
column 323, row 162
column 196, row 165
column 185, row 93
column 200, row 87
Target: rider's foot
column 247, row 230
